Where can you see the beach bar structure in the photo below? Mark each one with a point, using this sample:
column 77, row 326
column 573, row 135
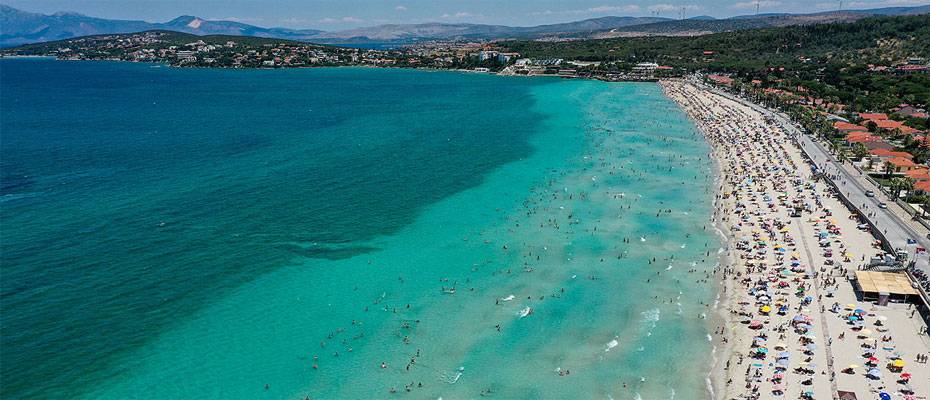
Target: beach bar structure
column 884, row 286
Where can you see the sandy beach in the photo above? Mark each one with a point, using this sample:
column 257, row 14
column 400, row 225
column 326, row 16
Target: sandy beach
column 791, row 324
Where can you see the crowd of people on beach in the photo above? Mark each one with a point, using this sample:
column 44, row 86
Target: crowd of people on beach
column 789, row 258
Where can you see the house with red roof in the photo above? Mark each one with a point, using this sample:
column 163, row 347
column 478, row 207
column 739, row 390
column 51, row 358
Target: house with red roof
column 901, row 164
column 918, row 174
column 888, row 124
column 875, row 116
column 922, row 187
column 861, row 137
column 720, row 79
column 889, row 154
column 848, row 127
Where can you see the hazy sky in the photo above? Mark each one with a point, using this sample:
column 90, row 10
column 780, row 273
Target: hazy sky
column 342, row 14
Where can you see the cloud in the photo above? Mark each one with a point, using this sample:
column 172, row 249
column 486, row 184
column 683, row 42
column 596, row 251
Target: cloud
column 293, row 21
column 751, row 5
column 237, row 19
column 883, row 3
column 400, row 8
column 350, row 20
column 460, row 14
column 672, row 7
column 604, row 9
column 629, row 8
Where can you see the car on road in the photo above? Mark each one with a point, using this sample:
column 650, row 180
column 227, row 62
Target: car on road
column 882, row 205
column 869, row 193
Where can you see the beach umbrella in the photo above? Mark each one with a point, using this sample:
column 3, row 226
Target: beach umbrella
column 799, row 318
column 906, row 376
column 755, row 324
column 784, row 354
column 765, row 309
column 853, row 318
column 873, row 359
column 884, row 396
column 859, row 311
column 875, row 373
column 811, row 347
column 899, row 363
column 783, row 362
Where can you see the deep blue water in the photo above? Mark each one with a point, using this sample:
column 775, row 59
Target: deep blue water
column 133, row 195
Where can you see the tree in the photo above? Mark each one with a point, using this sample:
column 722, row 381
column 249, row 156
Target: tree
column 899, row 185
column 859, row 151
column 889, row 168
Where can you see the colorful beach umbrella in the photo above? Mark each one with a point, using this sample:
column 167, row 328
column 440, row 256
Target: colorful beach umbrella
column 899, row 363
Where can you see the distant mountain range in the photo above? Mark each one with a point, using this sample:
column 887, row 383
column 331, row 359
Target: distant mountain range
column 21, row 27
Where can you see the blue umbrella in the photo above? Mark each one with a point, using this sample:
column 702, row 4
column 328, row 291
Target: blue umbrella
column 784, row 354
column 884, row 396
column 812, row 347
column 799, row 318
column 783, row 361
column 859, row 311
column 875, row 372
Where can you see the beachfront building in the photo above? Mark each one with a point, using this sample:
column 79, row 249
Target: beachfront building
column 884, row 287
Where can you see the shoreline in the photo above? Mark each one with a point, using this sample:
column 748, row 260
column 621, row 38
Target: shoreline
column 722, row 350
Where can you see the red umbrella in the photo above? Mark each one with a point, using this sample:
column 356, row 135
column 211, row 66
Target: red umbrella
column 906, row 375
column 873, row 360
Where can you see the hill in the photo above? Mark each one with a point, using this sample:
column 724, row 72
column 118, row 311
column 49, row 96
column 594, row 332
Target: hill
column 703, row 26
column 875, row 39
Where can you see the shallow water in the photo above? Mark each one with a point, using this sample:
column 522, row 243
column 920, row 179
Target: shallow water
column 322, row 230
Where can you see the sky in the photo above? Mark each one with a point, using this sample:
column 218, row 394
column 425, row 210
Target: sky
column 346, row 14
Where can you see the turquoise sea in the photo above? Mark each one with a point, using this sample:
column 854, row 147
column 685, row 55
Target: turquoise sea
column 192, row 233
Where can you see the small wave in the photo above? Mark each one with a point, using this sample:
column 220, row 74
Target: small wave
column 18, row 196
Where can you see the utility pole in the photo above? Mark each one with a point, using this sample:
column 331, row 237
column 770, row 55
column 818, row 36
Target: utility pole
column 757, row 8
